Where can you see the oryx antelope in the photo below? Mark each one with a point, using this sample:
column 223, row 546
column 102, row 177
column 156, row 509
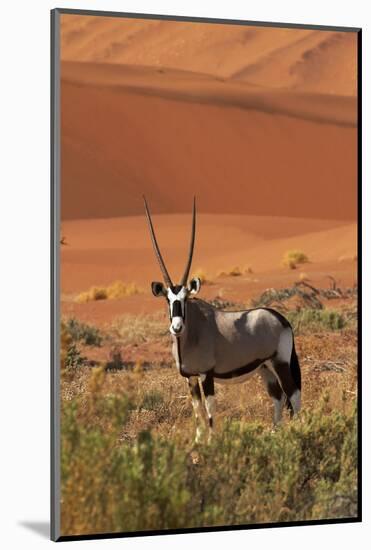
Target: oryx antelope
column 211, row 345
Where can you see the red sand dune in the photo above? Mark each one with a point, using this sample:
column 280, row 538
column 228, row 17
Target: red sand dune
column 310, row 60
column 272, row 153
column 259, row 123
column 255, row 120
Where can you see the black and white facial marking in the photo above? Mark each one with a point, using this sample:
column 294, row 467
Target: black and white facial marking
column 176, row 296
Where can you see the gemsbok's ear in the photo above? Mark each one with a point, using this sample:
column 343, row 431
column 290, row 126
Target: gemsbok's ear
column 158, row 289
column 194, row 285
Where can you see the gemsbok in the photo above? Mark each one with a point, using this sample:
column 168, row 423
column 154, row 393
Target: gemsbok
column 211, row 345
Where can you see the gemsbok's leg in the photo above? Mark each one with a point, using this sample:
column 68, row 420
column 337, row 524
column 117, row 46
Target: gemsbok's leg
column 275, row 392
column 194, row 388
column 209, row 393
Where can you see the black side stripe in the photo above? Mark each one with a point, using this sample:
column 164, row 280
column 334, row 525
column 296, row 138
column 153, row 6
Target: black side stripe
column 242, row 370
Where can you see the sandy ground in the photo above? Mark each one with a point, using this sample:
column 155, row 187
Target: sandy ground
column 259, row 123
column 98, row 252
column 310, row 60
column 169, row 135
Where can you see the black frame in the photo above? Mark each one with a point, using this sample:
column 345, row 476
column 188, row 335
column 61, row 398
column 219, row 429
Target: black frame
column 55, row 282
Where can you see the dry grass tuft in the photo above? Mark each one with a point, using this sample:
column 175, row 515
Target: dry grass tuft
column 235, row 271
column 292, row 258
column 116, row 290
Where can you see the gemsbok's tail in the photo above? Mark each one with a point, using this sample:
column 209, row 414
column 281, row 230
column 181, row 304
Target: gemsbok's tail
column 295, row 367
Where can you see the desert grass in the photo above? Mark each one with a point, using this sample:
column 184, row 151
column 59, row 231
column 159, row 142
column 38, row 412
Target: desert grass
column 292, row 258
column 306, row 320
column 128, row 457
column 136, row 329
column 116, row 290
column 129, row 463
column 235, row 271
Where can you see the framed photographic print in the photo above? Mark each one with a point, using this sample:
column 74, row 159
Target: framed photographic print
column 206, row 366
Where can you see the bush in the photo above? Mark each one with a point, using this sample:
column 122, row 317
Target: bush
column 116, row 361
column 317, row 320
column 78, row 331
column 73, row 358
column 306, row 469
column 70, row 356
column 292, row 258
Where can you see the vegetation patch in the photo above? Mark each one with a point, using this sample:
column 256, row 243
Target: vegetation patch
column 305, row 470
column 152, row 400
column 309, row 295
column 319, row 320
column 116, row 361
column 235, row 271
column 70, row 356
column 137, row 329
column 73, row 358
column 83, row 332
column 292, row 258
column 116, row 290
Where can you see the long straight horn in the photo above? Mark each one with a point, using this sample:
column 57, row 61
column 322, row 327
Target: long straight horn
column 165, row 273
column 191, row 246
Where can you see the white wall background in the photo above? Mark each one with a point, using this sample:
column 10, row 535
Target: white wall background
column 24, row 269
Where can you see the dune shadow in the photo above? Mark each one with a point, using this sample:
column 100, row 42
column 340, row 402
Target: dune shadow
column 42, row 528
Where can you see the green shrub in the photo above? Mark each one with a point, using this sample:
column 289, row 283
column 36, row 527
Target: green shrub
column 317, row 320
column 107, row 486
column 88, row 334
column 306, row 469
column 73, row 358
